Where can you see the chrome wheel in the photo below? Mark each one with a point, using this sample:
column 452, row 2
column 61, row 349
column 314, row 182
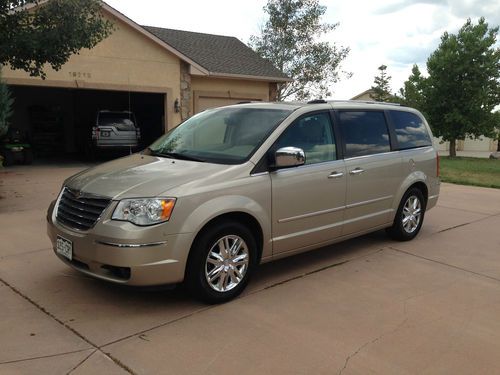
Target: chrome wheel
column 227, row 263
column 412, row 213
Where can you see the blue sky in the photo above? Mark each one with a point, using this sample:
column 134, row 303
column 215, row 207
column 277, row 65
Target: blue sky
column 397, row 33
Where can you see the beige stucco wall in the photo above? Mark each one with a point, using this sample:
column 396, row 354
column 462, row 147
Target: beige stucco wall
column 127, row 60
column 213, row 88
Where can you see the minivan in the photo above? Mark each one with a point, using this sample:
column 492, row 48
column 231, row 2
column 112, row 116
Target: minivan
column 236, row 186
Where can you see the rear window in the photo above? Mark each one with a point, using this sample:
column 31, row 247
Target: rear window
column 121, row 121
column 410, row 130
column 364, row 133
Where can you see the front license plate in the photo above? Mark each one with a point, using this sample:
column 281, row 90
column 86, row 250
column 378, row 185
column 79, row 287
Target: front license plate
column 64, row 247
column 105, row 134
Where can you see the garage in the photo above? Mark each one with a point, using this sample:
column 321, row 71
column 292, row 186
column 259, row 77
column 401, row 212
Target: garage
column 163, row 76
column 58, row 121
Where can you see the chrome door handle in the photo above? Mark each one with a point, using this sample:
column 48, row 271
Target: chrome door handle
column 356, row 171
column 335, row 175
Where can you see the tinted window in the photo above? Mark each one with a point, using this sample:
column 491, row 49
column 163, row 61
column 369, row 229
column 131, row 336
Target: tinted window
column 313, row 134
column 410, row 130
column 364, row 133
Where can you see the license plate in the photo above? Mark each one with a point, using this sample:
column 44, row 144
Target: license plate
column 105, row 134
column 64, row 247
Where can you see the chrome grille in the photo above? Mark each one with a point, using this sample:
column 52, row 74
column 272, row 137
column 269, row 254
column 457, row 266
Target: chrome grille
column 80, row 211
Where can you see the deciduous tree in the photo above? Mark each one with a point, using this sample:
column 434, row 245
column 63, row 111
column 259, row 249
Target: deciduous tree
column 463, row 84
column 291, row 39
column 35, row 33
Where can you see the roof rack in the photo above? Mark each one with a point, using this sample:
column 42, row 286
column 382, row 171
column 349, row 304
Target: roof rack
column 317, row 101
column 322, row 101
column 370, row 102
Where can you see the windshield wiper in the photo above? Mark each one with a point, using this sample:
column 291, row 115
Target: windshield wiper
column 175, row 155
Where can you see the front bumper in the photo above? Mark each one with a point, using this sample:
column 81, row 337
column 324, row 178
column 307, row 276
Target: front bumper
column 143, row 257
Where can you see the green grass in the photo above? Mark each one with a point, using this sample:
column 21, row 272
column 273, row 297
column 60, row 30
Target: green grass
column 471, row 171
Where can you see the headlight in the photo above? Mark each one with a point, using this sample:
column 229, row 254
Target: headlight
column 146, row 211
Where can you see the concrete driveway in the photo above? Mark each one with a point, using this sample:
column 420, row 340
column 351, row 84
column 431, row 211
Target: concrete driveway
column 369, row 305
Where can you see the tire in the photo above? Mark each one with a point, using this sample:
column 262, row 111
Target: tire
column 208, row 254
column 28, row 156
column 409, row 217
column 8, row 158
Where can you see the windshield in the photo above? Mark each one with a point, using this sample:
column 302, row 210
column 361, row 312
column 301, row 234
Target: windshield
column 223, row 135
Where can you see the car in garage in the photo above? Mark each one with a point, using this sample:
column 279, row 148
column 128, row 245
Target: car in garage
column 115, row 130
column 236, row 186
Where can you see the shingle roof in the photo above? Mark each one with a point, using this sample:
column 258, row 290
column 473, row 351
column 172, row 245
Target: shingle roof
column 218, row 54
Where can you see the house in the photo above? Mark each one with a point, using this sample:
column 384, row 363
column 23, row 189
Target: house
column 162, row 75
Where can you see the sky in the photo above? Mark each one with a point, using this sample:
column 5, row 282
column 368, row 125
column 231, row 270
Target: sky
column 396, row 33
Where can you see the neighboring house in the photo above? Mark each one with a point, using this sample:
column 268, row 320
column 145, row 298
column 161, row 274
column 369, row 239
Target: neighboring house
column 162, row 75
column 483, row 144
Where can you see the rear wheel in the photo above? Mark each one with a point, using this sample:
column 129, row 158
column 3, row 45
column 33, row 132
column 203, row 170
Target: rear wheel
column 221, row 262
column 409, row 217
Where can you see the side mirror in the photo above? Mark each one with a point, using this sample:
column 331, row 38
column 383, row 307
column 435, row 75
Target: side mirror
column 287, row 157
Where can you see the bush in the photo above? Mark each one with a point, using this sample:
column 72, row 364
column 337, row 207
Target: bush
column 6, row 102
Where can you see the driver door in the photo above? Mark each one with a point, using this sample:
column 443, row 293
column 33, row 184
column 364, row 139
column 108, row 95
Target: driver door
column 308, row 201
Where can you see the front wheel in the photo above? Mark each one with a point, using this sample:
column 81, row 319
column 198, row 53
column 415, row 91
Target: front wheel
column 221, row 263
column 409, row 217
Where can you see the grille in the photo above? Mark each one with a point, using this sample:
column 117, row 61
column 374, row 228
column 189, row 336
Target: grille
column 80, row 211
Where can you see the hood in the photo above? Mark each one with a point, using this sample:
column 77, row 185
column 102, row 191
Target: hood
column 138, row 176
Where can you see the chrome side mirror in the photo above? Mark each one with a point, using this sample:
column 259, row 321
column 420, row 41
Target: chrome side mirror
column 286, row 157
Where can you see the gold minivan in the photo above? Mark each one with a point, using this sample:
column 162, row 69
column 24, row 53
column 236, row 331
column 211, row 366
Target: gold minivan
column 236, row 186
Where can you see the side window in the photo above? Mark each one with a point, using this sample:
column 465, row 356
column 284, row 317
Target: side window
column 410, row 130
column 313, row 134
column 364, row 133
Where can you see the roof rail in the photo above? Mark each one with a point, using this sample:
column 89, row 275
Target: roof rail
column 317, row 101
column 322, row 101
column 363, row 101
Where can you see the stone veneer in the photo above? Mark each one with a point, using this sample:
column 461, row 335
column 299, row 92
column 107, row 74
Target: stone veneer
column 185, row 99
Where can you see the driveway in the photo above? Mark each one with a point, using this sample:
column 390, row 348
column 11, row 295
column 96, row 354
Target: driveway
column 368, row 305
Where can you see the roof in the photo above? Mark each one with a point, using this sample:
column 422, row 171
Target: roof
column 219, row 55
column 364, row 93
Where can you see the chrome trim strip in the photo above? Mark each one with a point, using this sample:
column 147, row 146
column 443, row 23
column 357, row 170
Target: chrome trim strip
column 308, row 231
column 433, row 196
column 259, row 174
column 369, row 201
column 310, row 214
column 130, row 245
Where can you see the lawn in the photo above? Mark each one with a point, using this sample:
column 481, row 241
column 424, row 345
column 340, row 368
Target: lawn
column 471, row 171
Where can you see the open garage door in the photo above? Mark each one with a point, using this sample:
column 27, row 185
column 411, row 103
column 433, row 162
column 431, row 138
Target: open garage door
column 58, row 122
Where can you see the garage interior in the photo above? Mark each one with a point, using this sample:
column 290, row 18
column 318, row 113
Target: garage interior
column 58, row 121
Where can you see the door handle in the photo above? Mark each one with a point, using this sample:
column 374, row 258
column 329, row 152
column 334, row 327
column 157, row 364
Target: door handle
column 356, row 171
column 335, row 174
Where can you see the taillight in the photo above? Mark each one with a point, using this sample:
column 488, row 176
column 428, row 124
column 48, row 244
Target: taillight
column 437, row 164
column 95, row 133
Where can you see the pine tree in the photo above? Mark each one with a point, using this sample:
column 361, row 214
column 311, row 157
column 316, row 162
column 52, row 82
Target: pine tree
column 382, row 88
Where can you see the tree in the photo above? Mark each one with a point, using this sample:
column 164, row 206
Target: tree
column 6, row 102
column 382, row 88
column 50, row 33
column 412, row 93
column 290, row 40
column 463, row 84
